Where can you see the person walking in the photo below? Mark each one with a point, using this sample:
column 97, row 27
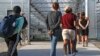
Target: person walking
column 13, row 41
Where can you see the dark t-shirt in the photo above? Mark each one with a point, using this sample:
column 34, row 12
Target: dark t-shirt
column 68, row 21
column 83, row 22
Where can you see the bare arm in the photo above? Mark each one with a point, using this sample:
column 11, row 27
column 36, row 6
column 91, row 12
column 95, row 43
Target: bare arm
column 75, row 23
column 81, row 24
column 87, row 24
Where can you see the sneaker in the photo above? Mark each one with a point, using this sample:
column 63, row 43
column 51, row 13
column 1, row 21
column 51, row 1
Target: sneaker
column 76, row 51
column 69, row 52
column 73, row 54
column 83, row 45
column 65, row 55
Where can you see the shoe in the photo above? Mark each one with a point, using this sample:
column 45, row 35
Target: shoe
column 83, row 45
column 65, row 55
column 86, row 44
column 69, row 52
column 76, row 51
column 73, row 54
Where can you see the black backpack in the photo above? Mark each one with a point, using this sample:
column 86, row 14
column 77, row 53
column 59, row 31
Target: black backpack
column 25, row 23
column 7, row 26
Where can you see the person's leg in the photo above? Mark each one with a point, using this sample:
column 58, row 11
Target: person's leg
column 7, row 43
column 75, row 44
column 72, row 38
column 69, row 47
column 82, row 40
column 15, row 52
column 75, row 40
column 83, row 36
column 77, row 36
column 10, row 44
column 78, row 41
column 53, row 45
column 86, row 40
column 65, row 46
column 66, row 41
column 86, row 37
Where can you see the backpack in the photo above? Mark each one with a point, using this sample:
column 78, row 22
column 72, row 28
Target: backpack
column 7, row 26
column 25, row 23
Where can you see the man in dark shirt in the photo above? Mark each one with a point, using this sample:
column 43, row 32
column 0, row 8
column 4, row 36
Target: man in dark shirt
column 68, row 29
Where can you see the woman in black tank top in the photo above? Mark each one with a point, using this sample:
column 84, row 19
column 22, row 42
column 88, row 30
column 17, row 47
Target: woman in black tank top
column 84, row 22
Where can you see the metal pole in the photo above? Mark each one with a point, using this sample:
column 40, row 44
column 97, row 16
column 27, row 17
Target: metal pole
column 29, row 26
column 86, row 8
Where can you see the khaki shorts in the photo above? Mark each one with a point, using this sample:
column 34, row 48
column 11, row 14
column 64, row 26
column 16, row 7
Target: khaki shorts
column 68, row 34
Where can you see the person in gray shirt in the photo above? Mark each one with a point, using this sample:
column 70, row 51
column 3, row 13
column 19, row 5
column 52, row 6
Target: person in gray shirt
column 53, row 26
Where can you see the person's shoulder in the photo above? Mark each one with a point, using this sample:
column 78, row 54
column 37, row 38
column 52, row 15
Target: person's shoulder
column 49, row 13
column 64, row 15
column 20, row 18
column 59, row 11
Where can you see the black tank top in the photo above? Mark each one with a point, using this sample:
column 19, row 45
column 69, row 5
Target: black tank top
column 83, row 22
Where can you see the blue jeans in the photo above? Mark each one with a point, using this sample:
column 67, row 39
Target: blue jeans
column 54, row 39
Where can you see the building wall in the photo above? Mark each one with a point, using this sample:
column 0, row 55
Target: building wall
column 97, row 15
column 94, row 15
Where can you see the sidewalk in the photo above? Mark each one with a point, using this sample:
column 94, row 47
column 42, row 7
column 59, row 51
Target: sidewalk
column 43, row 49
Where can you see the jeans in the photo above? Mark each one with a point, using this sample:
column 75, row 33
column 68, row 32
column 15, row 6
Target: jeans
column 54, row 39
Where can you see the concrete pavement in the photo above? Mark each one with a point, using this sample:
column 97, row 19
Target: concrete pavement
column 43, row 49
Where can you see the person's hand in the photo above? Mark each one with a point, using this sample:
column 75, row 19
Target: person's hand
column 77, row 27
column 60, row 25
column 84, row 28
column 50, row 32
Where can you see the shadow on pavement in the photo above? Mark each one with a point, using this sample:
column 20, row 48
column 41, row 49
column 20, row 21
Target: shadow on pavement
column 39, row 52
column 46, row 52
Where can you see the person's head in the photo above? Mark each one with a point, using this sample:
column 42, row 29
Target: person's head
column 68, row 9
column 78, row 14
column 55, row 5
column 17, row 9
column 82, row 15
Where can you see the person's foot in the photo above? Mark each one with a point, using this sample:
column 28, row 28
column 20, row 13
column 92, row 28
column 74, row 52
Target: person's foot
column 83, row 45
column 76, row 51
column 86, row 44
column 65, row 55
column 73, row 54
column 69, row 52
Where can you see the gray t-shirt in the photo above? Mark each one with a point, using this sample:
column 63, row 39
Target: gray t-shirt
column 53, row 20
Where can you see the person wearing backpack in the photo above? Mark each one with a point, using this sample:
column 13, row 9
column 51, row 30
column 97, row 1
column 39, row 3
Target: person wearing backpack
column 13, row 40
